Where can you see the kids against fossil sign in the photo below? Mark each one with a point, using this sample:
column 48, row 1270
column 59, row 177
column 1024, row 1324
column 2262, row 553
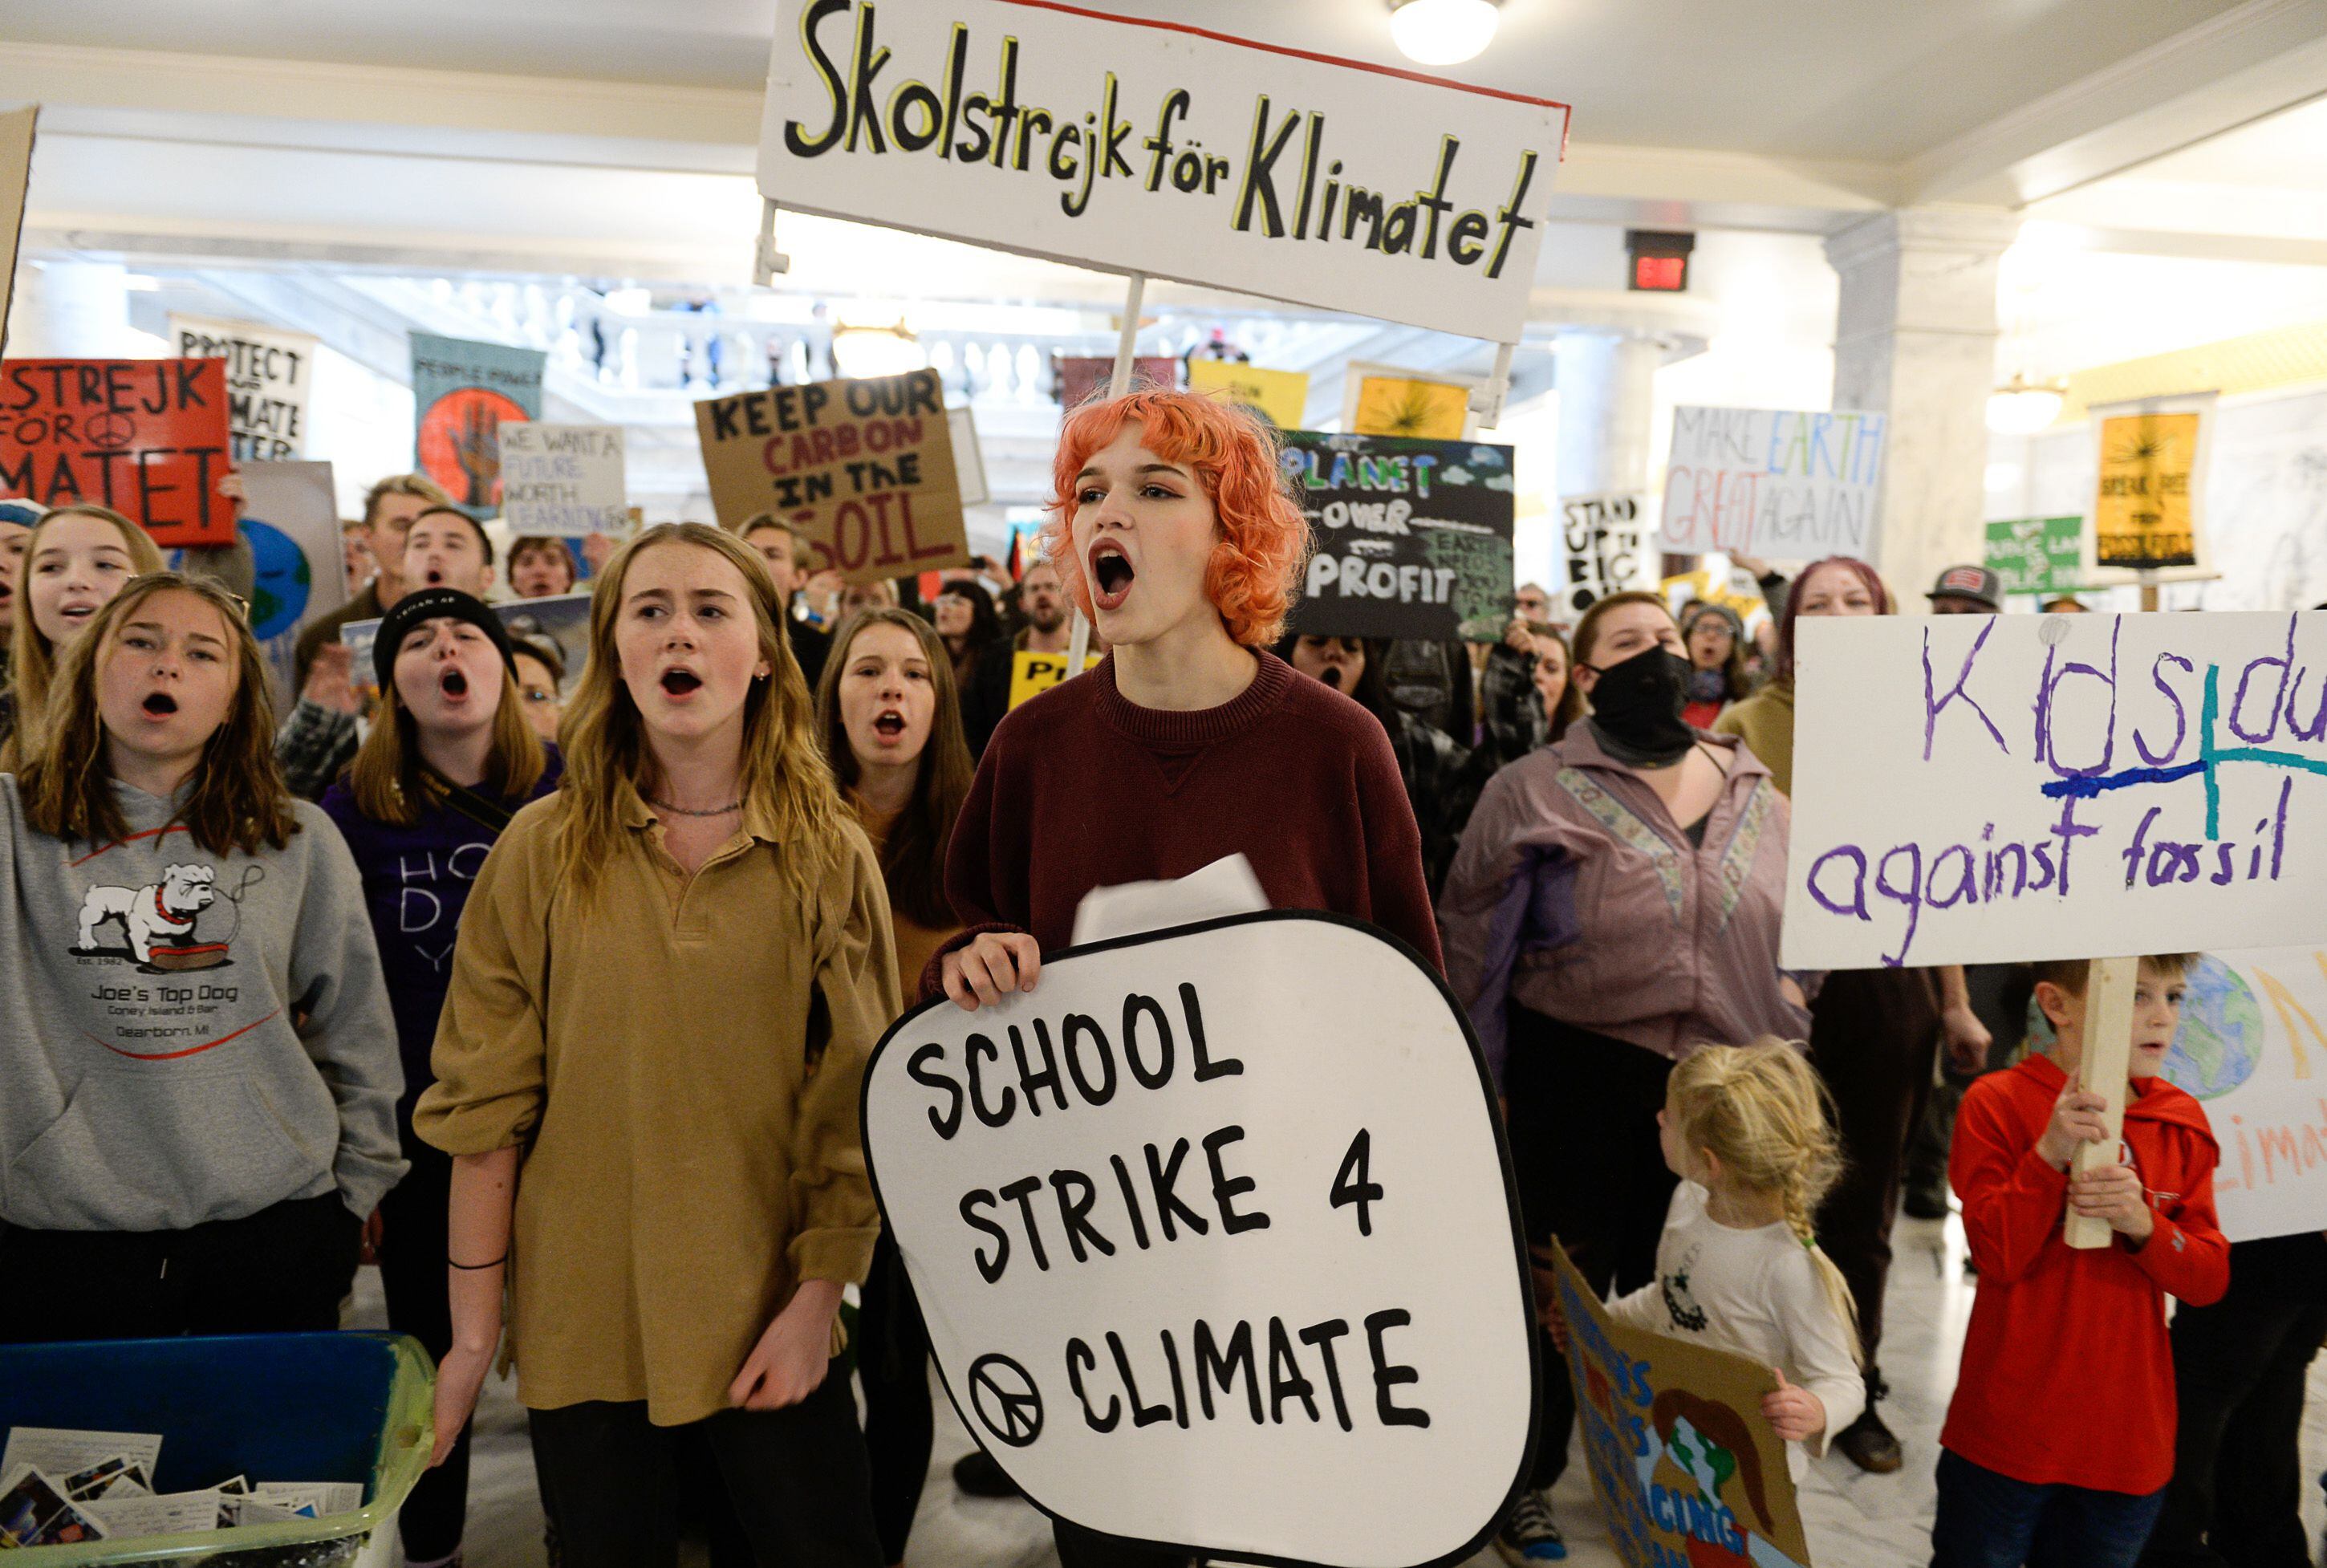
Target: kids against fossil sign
column 1216, row 1244
column 1148, row 146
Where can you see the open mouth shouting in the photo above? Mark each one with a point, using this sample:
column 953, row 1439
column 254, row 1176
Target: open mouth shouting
column 889, row 725
column 433, row 577
column 1111, row 574
column 77, row 613
column 159, row 705
column 678, row 683
column 454, row 683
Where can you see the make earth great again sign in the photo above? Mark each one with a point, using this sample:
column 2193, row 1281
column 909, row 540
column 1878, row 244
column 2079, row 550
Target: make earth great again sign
column 1215, row 1238
column 1152, row 147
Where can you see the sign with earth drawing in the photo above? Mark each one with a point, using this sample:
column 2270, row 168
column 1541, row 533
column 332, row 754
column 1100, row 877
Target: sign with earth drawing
column 1412, row 538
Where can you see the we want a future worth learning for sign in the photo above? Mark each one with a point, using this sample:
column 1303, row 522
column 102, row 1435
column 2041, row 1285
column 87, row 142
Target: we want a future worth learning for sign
column 1987, row 789
column 1154, row 147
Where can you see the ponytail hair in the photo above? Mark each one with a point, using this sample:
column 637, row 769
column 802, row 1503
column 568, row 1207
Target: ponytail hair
column 1761, row 1110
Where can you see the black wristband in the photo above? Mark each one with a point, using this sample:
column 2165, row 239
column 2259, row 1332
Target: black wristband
column 479, row 1267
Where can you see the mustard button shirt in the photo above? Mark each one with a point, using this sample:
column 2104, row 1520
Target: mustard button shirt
column 682, row 1060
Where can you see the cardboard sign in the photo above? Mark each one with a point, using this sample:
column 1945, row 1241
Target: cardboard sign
column 1606, row 548
column 564, row 480
column 17, row 130
column 1412, row 538
column 298, row 562
column 1686, row 1469
column 1280, row 397
column 2145, row 508
column 1225, row 1208
column 2038, row 554
column 968, row 456
column 1174, row 151
column 146, row 437
column 1784, row 486
column 1417, row 406
column 269, row 376
column 1988, row 789
column 463, row 392
column 864, row 469
column 1032, row 674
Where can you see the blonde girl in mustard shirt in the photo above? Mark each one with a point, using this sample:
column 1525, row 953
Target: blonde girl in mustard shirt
column 667, row 981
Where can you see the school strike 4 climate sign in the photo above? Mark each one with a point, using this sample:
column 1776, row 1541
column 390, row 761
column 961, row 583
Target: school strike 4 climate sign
column 1413, row 538
column 1991, row 788
column 863, row 468
column 146, row 437
column 1216, row 1241
column 1152, row 147
column 1757, row 481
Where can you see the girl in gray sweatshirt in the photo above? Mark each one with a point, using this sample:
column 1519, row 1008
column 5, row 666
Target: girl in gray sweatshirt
column 198, row 1064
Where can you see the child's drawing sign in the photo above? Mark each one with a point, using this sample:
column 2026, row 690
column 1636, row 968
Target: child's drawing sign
column 1686, row 1468
column 1989, row 788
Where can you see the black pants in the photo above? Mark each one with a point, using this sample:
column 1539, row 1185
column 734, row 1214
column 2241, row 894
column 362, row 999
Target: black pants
column 796, row 1479
column 282, row 1270
column 892, row 1360
column 2236, row 1499
column 1081, row 1548
column 413, row 1218
column 1874, row 1033
column 1584, row 1148
column 1999, row 996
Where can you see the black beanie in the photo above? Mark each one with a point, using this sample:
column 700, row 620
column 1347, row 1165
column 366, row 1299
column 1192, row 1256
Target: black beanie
column 434, row 605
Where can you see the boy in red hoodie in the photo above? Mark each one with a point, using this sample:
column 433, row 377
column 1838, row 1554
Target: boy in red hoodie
column 2059, row 1440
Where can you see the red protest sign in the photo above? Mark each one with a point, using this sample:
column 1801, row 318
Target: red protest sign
column 146, row 437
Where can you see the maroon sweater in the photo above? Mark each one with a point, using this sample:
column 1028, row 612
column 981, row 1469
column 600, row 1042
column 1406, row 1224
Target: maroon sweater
column 1081, row 789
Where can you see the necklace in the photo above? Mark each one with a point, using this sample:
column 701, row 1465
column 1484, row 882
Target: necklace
column 683, row 811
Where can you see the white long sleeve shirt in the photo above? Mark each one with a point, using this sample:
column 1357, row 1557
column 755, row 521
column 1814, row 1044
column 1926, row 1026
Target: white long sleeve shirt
column 1756, row 1292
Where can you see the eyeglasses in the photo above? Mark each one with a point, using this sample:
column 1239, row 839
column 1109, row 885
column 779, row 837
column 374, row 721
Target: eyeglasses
column 181, row 580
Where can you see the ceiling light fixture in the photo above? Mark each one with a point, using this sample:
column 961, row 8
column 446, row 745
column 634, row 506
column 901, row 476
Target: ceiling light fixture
column 1442, row 32
column 2023, row 408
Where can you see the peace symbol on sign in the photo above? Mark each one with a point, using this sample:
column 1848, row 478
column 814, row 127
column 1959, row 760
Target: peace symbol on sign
column 1015, row 1415
column 109, row 431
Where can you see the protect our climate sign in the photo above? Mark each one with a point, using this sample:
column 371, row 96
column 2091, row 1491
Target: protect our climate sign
column 1154, row 147
column 1223, row 1208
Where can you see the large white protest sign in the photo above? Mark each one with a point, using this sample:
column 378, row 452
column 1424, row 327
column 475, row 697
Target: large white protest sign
column 1606, row 548
column 1758, row 482
column 1154, row 147
column 269, row 376
column 1216, row 1241
column 1978, row 788
column 564, row 480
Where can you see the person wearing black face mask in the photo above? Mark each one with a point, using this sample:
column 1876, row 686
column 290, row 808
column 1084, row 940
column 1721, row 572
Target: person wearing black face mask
column 1614, row 903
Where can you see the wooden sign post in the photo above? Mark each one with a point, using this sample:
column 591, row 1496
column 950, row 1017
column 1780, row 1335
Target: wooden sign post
column 2101, row 1070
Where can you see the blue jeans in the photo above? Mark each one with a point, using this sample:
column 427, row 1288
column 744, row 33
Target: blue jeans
column 1988, row 1520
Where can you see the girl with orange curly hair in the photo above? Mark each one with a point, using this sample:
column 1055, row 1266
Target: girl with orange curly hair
column 1171, row 526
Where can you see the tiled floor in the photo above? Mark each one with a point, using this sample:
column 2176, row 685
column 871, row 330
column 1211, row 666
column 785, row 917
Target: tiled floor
column 1855, row 1519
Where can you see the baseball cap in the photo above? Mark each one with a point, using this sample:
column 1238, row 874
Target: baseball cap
column 1977, row 583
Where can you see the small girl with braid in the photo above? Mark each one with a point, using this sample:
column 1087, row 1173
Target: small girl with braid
column 1749, row 1131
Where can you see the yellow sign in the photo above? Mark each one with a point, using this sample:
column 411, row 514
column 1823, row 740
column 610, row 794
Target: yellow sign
column 1281, row 396
column 1394, row 406
column 1032, row 674
column 2142, row 517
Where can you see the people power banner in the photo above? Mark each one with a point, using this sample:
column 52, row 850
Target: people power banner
column 1785, row 486
column 270, row 377
column 1413, row 538
column 463, row 393
column 1606, row 548
column 1686, row 1469
column 864, row 469
column 1215, row 1237
column 146, row 437
column 1154, row 147
column 1993, row 788
column 564, row 480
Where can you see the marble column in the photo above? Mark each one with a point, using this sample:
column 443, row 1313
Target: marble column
column 1607, row 384
column 71, row 310
column 1915, row 338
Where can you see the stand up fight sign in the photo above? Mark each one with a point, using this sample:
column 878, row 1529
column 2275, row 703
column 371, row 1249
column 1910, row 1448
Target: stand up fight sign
column 1216, row 1243
column 1158, row 148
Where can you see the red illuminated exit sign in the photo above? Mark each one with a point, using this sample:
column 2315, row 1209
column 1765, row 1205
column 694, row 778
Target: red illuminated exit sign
column 1660, row 260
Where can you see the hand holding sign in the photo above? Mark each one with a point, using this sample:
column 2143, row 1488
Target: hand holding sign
column 1223, row 1207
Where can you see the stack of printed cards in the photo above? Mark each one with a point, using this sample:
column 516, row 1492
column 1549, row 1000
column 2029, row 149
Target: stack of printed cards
column 107, row 1492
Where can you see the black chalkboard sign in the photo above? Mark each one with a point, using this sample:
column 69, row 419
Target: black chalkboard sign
column 1412, row 538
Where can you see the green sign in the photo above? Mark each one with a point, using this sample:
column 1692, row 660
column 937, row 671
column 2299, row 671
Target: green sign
column 2037, row 555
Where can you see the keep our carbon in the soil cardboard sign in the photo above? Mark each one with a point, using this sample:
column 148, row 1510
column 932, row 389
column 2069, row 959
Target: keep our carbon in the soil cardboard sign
column 1215, row 1235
